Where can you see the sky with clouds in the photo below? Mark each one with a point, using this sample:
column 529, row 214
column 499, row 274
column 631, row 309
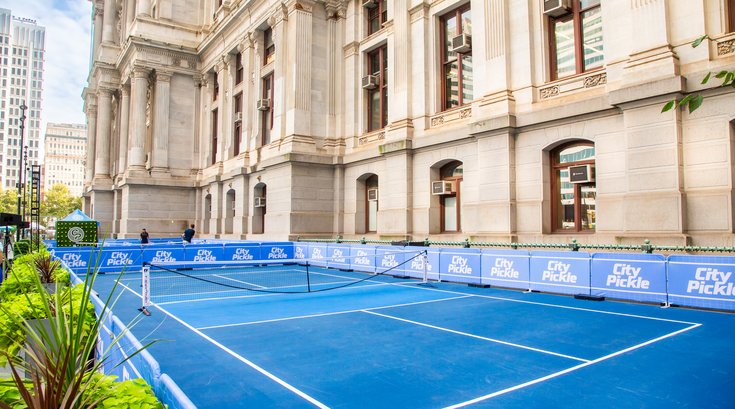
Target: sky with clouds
column 68, row 32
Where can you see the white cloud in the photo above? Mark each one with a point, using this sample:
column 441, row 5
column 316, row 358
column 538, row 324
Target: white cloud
column 68, row 31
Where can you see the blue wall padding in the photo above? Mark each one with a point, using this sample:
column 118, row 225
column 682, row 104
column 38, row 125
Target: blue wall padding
column 415, row 267
column 168, row 391
column 338, row 256
column 461, row 265
column 506, row 268
column 702, row 281
column 362, row 258
column 389, row 260
column 161, row 255
column 637, row 277
column 115, row 258
column 276, row 250
column 204, row 252
column 317, row 254
column 242, row 252
column 560, row 272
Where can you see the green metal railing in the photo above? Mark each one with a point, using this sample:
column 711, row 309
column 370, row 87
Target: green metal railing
column 646, row 247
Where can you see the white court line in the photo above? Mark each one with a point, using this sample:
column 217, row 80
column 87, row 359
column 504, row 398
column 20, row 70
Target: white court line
column 566, row 371
column 238, row 281
column 329, row 313
column 241, row 358
column 566, row 307
column 543, row 351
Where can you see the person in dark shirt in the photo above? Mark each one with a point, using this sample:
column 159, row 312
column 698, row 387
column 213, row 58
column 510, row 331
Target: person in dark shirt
column 188, row 234
column 144, row 237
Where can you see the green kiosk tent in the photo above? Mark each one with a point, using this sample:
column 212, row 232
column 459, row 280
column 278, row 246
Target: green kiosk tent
column 76, row 229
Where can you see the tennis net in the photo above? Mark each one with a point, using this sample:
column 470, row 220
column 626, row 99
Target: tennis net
column 185, row 281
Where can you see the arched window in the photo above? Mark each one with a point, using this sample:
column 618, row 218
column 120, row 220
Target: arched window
column 229, row 210
column 450, row 201
column 573, row 189
column 207, row 213
column 371, row 204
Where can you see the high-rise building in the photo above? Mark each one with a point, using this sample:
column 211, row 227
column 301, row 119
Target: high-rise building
column 65, row 152
column 494, row 120
column 21, row 84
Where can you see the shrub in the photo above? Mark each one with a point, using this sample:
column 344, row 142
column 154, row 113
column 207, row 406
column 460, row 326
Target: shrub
column 21, row 247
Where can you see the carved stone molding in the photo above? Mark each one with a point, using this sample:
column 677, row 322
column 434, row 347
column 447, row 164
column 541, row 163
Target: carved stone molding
column 140, row 71
column 726, row 47
column 549, row 92
column 336, row 9
column 595, row 80
column 450, row 116
column 163, row 76
column 370, row 138
column 419, row 11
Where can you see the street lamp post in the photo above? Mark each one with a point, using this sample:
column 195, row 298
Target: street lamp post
column 23, row 108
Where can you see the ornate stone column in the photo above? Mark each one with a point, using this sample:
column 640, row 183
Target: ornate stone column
column 108, row 27
column 144, row 8
column 296, row 40
column 124, row 128
column 97, row 28
column 102, row 145
column 219, row 74
column 160, row 127
column 139, row 89
column 91, row 136
column 245, row 48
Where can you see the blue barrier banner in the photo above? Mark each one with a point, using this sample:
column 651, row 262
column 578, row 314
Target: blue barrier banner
column 158, row 255
column 389, row 260
column 208, row 253
column 461, row 265
column 506, row 268
column 338, row 256
column 300, row 250
column 415, row 268
column 77, row 260
column 362, row 258
column 702, row 281
column 317, row 254
column 636, row 277
column 560, row 272
column 115, row 259
column 242, row 252
column 276, row 251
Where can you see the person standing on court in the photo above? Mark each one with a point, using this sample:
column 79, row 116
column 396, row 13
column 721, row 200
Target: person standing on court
column 144, row 237
column 188, row 234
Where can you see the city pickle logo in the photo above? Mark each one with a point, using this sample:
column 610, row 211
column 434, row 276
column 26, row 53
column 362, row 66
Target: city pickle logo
column 205, row 255
column 338, row 256
column 361, row 258
column 299, row 252
column 460, row 265
column 163, row 256
column 418, row 263
column 277, row 253
column 316, row 253
column 503, row 268
column 711, row 281
column 74, row 260
column 389, row 260
column 119, row 258
column 627, row 276
column 75, row 234
column 558, row 272
column 242, row 254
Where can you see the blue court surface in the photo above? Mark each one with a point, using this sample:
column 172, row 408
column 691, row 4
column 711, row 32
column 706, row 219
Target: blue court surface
column 396, row 343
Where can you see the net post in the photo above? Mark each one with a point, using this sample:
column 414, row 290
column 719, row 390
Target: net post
column 146, row 288
column 425, row 259
column 308, row 281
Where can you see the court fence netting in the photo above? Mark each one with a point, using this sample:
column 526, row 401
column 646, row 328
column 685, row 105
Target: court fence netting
column 193, row 280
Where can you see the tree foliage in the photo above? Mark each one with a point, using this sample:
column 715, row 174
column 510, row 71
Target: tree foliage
column 9, row 201
column 58, row 202
column 694, row 101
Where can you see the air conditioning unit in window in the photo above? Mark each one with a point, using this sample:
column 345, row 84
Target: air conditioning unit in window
column 263, row 104
column 238, row 116
column 581, row 174
column 442, row 187
column 462, row 43
column 556, row 8
column 369, row 82
column 372, row 195
column 370, row 4
column 259, row 202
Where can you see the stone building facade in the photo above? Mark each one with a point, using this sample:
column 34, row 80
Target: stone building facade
column 65, row 156
column 494, row 120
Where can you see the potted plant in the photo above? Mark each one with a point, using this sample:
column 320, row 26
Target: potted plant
column 56, row 368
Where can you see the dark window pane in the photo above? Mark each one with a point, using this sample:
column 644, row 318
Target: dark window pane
column 375, row 121
column 451, row 85
column 565, row 52
column 592, row 33
column 466, row 79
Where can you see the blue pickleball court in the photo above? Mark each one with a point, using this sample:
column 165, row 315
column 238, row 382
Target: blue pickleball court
column 398, row 343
